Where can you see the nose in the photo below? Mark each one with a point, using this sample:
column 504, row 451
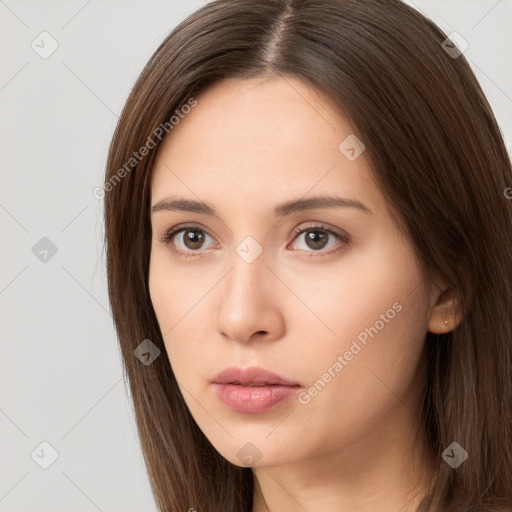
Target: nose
column 248, row 305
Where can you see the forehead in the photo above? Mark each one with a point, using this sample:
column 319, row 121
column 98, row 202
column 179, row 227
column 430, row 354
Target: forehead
column 263, row 141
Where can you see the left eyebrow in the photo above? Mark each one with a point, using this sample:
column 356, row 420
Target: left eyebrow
column 181, row 204
column 319, row 202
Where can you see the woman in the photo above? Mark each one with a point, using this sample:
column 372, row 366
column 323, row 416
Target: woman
column 308, row 254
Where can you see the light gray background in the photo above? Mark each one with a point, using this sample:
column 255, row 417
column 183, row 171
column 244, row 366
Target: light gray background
column 61, row 374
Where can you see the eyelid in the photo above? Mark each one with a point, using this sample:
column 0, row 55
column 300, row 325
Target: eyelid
column 321, row 227
column 170, row 233
column 341, row 236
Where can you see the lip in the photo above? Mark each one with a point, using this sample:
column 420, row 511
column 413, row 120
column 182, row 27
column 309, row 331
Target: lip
column 254, row 375
column 252, row 390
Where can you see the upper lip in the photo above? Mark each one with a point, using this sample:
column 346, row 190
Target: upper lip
column 251, row 376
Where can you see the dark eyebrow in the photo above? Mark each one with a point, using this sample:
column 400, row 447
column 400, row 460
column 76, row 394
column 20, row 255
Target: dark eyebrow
column 187, row 205
column 319, row 202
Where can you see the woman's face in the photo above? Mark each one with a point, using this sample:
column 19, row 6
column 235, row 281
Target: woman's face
column 328, row 296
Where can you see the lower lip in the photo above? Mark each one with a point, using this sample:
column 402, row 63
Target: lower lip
column 255, row 399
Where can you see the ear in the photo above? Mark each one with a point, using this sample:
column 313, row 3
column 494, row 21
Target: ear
column 445, row 312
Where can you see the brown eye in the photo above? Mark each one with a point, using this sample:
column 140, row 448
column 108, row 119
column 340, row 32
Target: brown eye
column 320, row 237
column 193, row 238
column 316, row 239
column 186, row 240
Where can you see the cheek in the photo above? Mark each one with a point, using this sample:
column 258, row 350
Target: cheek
column 376, row 371
column 375, row 298
column 167, row 297
column 375, row 309
column 179, row 305
column 173, row 292
column 350, row 295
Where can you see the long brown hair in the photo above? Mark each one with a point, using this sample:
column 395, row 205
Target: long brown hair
column 437, row 155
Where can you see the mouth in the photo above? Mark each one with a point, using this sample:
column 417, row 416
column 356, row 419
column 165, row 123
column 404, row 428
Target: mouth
column 252, row 390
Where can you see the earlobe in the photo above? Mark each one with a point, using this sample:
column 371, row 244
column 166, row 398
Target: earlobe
column 445, row 315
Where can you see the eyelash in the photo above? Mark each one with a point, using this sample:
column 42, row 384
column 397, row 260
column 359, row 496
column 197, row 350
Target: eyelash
column 172, row 232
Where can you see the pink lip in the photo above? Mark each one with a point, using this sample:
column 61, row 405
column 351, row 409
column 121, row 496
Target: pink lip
column 252, row 390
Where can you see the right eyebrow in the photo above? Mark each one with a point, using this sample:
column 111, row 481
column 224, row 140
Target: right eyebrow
column 184, row 205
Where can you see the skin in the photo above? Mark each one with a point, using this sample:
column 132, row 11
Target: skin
column 246, row 147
